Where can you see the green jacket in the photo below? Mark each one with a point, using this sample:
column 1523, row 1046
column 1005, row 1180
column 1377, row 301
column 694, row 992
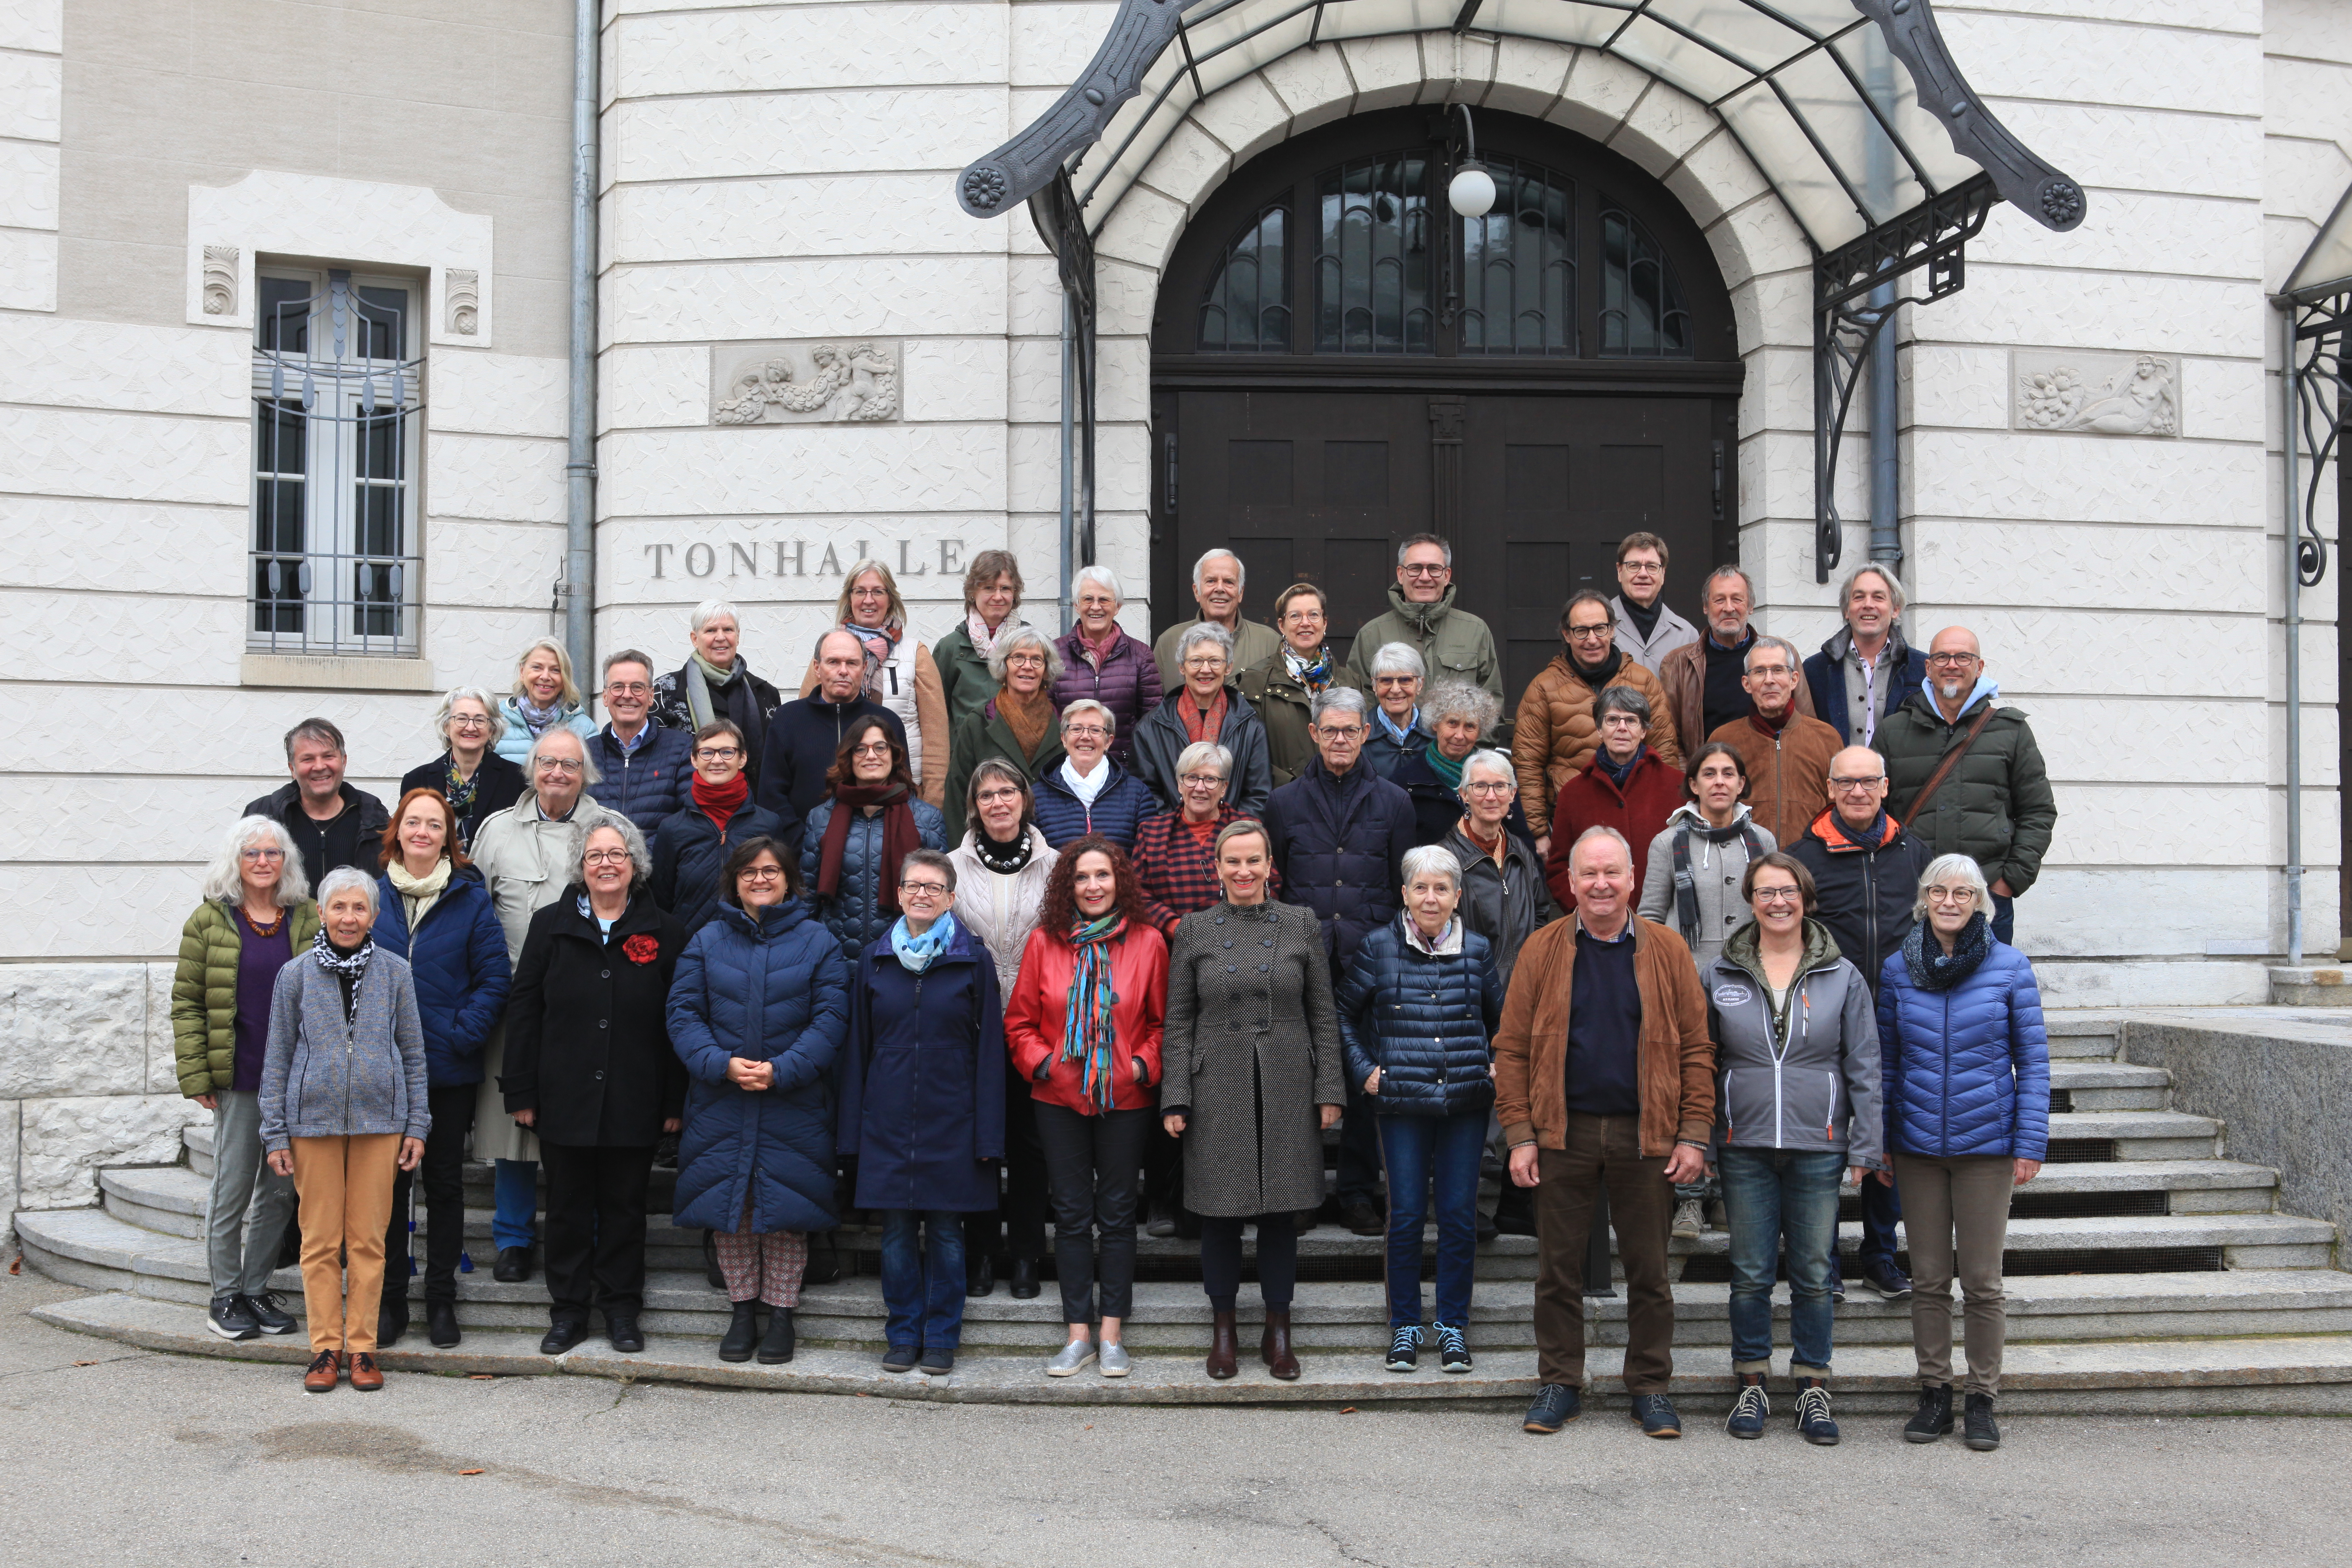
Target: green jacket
column 979, row 735
column 1454, row 643
column 965, row 684
column 1281, row 703
column 204, row 994
column 1997, row 807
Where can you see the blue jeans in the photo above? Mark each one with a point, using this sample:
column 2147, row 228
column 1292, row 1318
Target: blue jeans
column 1881, row 1208
column 2004, row 919
column 1418, row 1151
column 514, row 1186
column 922, row 1278
column 1771, row 1195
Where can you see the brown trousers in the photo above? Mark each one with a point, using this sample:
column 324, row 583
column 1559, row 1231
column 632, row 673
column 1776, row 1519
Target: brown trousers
column 345, row 1187
column 1964, row 1200
column 1603, row 1152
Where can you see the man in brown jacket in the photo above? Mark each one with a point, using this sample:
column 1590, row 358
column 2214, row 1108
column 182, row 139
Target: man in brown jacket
column 1557, row 732
column 1703, row 678
column 1604, row 1079
column 1787, row 751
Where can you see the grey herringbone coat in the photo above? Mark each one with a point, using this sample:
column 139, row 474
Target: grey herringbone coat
column 1252, row 1047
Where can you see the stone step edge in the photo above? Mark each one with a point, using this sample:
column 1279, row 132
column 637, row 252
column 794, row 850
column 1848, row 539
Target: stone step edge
column 2304, row 1372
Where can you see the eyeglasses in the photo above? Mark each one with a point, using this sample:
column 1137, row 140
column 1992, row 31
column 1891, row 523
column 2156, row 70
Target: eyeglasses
column 1871, row 783
column 605, row 858
column 1777, row 896
column 1420, row 570
column 1302, row 616
column 715, row 754
column 1385, row 681
column 760, row 874
column 1589, row 634
column 1780, row 670
column 1953, row 660
column 1095, row 731
column 1640, row 568
column 469, row 721
column 922, row 889
column 869, row 593
column 1026, row 660
column 628, row 689
column 997, row 796
column 1202, row 781
column 1487, row 786
column 258, row 853
column 560, row 765
column 872, row 748
column 1351, row 733
column 1206, row 662
column 1951, row 895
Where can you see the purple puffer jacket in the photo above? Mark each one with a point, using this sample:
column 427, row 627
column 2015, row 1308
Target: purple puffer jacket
column 1128, row 684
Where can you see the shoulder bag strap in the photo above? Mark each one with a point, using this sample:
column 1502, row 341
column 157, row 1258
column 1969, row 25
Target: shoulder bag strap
column 1944, row 769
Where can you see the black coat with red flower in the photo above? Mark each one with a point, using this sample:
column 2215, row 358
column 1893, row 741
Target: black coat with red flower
column 587, row 1027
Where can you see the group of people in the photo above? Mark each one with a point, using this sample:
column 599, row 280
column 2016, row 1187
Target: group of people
column 1015, row 924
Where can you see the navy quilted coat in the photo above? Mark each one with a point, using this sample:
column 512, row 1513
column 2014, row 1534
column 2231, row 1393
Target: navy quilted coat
column 1966, row 1071
column 777, row 991
column 853, row 915
column 1340, row 844
column 458, row 955
column 922, row 1078
column 646, row 785
column 1425, row 1021
column 1122, row 806
column 691, row 855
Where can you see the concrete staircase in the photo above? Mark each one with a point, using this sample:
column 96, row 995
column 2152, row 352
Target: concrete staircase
column 2146, row 1271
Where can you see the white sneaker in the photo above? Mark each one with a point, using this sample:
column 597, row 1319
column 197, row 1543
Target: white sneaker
column 1114, row 1362
column 1071, row 1358
column 1689, row 1219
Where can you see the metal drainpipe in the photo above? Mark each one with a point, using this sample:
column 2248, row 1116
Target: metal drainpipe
column 2293, row 619
column 1066, row 557
column 579, row 464
column 1885, row 451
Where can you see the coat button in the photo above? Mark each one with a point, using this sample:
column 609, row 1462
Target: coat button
column 1229, row 969
column 599, row 1024
column 1229, row 944
column 600, row 1078
column 607, row 974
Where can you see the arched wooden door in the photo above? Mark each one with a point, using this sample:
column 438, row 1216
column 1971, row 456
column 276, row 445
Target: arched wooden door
column 1338, row 361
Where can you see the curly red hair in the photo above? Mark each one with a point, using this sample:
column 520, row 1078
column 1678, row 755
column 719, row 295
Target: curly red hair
column 1059, row 914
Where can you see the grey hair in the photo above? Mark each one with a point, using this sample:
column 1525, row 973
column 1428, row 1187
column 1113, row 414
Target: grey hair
column 1102, row 577
column 1205, row 631
column 223, row 885
column 935, row 860
column 1431, row 860
column 1339, row 699
column 1088, row 705
column 711, row 610
column 1788, row 651
column 1949, row 867
column 1241, row 571
column 1414, row 541
column 1745, row 581
column 342, row 877
column 989, row 768
column 626, row 655
column 456, row 694
column 1589, row 833
column 1871, row 569
column 1460, row 700
column 1021, row 638
column 641, row 859
column 588, row 770
column 1487, row 757
column 1398, row 658
column 1621, row 699
column 1201, row 752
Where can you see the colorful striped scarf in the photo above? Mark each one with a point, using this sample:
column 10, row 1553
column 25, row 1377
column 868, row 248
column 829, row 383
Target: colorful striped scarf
column 1086, row 1034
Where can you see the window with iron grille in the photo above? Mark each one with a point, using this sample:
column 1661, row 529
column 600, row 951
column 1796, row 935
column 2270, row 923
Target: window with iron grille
column 338, row 387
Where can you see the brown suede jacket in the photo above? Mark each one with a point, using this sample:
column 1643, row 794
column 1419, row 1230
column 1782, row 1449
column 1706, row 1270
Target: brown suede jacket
column 1677, row 1065
column 1682, row 673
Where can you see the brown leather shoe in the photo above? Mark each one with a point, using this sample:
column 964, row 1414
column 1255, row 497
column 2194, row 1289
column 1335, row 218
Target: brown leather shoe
column 1224, row 1352
column 1274, row 1346
column 324, row 1374
column 366, row 1376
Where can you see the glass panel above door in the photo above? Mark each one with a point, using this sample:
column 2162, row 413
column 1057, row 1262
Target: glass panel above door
column 1372, row 272
column 1246, row 308
column 1642, row 314
column 1518, row 265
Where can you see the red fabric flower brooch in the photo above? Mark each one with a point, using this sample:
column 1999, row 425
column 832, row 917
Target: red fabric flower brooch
column 641, row 949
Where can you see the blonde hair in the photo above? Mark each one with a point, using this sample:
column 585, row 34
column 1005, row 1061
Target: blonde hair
column 570, row 696
column 896, row 616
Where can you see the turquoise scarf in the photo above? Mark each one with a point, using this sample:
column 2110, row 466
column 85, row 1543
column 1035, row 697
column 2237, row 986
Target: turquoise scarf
column 1447, row 768
column 1086, row 1034
column 915, row 952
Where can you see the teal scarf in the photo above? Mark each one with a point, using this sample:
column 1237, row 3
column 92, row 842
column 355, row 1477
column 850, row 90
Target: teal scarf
column 915, row 952
column 1447, row 769
column 1087, row 1035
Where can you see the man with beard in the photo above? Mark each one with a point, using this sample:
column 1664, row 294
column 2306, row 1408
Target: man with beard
column 1866, row 669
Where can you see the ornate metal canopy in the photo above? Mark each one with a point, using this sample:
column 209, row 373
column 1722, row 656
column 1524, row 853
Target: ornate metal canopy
column 1853, row 111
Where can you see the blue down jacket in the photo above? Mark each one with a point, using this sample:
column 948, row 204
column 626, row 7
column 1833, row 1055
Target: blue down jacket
column 1966, row 1071
column 854, row 914
column 690, row 857
column 1117, row 811
column 458, row 955
column 1340, row 844
column 1424, row 1020
column 922, row 1078
column 773, row 990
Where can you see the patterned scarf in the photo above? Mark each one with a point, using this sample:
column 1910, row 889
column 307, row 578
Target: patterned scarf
column 983, row 641
column 1028, row 721
column 1087, row 1033
column 879, row 645
column 457, row 792
column 1097, row 652
column 1445, row 767
column 914, row 953
column 536, row 719
column 1932, row 969
column 1315, row 676
column 1201, row 725
column 339, row 965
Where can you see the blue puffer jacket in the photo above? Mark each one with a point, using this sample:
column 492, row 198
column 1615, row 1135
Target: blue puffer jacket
column 1117, row 811
column 922, row 1078
column 854, row 914
column 774, row 990
column 646, row 785
column 458, row 955
column 1340, row 844
column 690, row 854
column 1424, row 1021
column 1966, row 1071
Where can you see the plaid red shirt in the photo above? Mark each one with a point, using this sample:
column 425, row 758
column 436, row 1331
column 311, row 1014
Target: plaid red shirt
column 1176, row 872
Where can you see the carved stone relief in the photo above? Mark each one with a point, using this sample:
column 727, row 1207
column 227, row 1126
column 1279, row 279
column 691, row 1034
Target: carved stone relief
column 220, row 280
column 2095, row 393
column 806, row 382
column 463, row 287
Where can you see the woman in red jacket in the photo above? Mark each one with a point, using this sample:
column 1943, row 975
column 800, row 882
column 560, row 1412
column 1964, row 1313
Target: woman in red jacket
column 1082, row 1027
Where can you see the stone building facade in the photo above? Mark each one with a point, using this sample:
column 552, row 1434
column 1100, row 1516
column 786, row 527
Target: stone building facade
column 805, row 353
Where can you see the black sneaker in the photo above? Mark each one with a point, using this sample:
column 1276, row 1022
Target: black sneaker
column 1556, row 1404
column 267, row 1314
column 1363, row 1219
column 936, row 1362
column 1750, row 1410
column 1979, row 1432
column 231, row 1320
column 1453, row 1348
column 1891, row 1283
column 1657, row 1414
column 1404, row 1349
column 901, row 1358
column 1933, row 1419
column 1813, row 1419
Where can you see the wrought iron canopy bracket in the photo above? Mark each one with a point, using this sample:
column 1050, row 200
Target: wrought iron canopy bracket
column 2323, row 392
column 1933, row 236
column 1028, row 162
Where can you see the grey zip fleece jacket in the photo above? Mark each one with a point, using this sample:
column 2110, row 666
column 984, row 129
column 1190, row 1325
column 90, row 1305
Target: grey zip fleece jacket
column 1808, row 1081
column 323, row 1079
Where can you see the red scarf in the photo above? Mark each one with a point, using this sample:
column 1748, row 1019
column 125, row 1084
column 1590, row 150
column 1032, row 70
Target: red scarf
column 1099, row 653
column 900, row 840
column 720, row 802
column 1200, row 726
column 1772, row 726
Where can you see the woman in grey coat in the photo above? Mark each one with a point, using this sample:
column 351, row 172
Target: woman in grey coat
column 344, row 1110
column 1797, row 1103
column 1252, row 1075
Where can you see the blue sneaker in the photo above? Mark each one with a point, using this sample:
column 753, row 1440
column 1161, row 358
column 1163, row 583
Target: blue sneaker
column 1556, row 1404
column 1453, row 1349
column 1404, row 1350
column 1657, row 1414
column 1753, row 1407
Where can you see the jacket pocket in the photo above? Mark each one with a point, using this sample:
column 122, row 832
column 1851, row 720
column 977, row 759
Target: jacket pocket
column 1809, row 1106
column 1747, row 1110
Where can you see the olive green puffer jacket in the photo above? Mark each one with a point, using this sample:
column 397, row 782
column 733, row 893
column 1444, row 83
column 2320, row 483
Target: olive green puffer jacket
column 204, row 994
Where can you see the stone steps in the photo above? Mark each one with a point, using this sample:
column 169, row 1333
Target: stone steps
column 2285, row 1373
column 2142, row 1134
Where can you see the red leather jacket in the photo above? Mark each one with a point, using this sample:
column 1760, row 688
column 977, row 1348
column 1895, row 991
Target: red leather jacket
column 1034, row 1016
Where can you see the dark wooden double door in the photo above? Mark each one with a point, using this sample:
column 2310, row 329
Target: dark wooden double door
column 1534, row 491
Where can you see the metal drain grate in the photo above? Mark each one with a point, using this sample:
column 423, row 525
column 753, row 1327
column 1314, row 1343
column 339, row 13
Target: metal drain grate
column 2060, row 1100
column 2031, row 1204
column 2080, row 1152
column 1715, row 1268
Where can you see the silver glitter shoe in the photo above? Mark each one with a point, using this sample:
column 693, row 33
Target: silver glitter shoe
column 1071, row 1358
column 1114, row 1360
